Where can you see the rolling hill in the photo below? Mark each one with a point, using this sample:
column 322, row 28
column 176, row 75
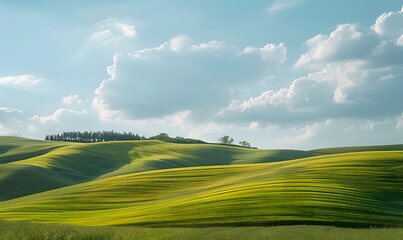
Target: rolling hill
column 152, row 183
column 396, row 147
column 32, row 166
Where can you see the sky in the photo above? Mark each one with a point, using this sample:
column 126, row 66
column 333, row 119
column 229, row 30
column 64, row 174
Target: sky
column 298, row 74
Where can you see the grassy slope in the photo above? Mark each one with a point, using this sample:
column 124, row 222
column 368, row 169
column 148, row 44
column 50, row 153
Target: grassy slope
column 37, row 231
column 31, row 166
column 345, row 189
column 397, row 147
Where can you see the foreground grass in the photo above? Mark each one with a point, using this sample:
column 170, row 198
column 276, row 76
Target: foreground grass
column 10, row 230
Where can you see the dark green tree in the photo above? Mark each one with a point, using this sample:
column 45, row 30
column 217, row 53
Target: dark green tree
column 226, row 140
column 244, row 144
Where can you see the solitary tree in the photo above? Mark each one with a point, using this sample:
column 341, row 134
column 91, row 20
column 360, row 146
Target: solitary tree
column 244, row 144
column 226, row 140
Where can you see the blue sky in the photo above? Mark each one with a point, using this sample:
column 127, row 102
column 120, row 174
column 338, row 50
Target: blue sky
column 279, row 74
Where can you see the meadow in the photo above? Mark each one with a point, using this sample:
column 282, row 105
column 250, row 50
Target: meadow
column 146, row 183
column 10, row 230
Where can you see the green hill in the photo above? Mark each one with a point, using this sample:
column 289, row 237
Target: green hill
column 397, row 147
column 152, row 183
column 31, row 166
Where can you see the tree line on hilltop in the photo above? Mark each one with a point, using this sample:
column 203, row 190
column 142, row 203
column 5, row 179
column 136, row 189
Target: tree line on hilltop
column 105, row 136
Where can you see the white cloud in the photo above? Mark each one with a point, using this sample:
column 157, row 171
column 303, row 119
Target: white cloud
column 389, row 24
column 308, row 132
column 399, row 120
column 209, row 45
column 113, row 30
column 178, row 76
column 254, row 125
column 339, row 45
column 179, row 42
column 68, row 100
column 56, row 115
column 279, row 5
column 25, row 80
column 376, row 48
column 349, row 129
column 203, row 129
column 4, row 130
column 104, row 111
column 102, row 36
column 399, row 41
column 360, row 77
column 386, row 77
column 370, row 124
column 275, row 54
column 127, row 30
column 180, row 119
column 339, row 90
column 10, row 110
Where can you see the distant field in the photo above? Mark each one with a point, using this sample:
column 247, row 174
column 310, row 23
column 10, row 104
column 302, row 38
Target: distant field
column 37, row 231
column 152, row 183
column 397, row 147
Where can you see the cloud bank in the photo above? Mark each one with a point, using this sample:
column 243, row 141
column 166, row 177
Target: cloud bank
column 180, row 75
column 357, row 75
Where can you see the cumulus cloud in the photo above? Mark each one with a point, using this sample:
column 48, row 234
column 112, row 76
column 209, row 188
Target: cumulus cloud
column 339, row 90
column 360, row 76
column 68, row 100
column 379, row 47
column 389, row 24
column 25, row 80
column 344, row 43
column 113, row 30
column 279, row 5
column 180, row 76
column 56, row 115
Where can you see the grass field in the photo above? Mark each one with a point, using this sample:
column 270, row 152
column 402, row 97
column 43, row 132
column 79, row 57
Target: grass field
column 123, row 190
column 10, row 230
column 152, row 183
column 32, row 166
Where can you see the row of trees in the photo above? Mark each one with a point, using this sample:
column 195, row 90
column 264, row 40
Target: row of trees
column 164, row 137
column 227, row 140
column 96, row 136
column 104, row 136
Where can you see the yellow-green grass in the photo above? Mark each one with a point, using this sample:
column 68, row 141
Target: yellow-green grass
column 396, row 147
column 10, row 230
column 31, row 166
column 15, row 148
column 352, row 189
